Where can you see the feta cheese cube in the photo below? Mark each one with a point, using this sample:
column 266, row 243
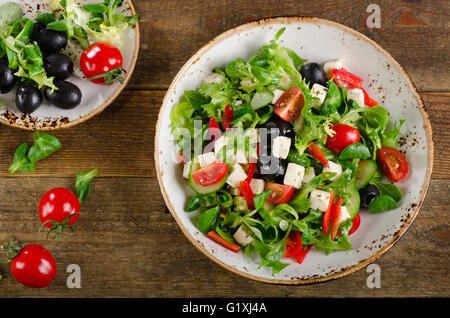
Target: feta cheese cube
column 236, row 176
column 281, row 146
column 242, row 237
column 213, row 78
column 240, row 156
column 320, row 92
column 235, row 191
column 294, row 175
column 331, row 65
column 230, row 154
column 219, row 144
column 319, row 200
column 309, row 175
column 238, row 102
column 357, row 95
column 186, row 170
column 344, row 215
column 206, row 159
column 333, row 167
column 257, row 185
column 276, row 95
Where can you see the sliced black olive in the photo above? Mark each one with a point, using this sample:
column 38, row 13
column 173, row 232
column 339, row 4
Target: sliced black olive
column 67, row 96
column 28, row 99
column 314, row 74
column 272, row 169
column 367, row 194
column 7, row 77
column 58, row 65
column 51, row 41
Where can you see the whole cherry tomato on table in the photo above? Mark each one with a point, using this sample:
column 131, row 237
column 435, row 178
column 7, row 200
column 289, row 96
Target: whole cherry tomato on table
column 101, row 63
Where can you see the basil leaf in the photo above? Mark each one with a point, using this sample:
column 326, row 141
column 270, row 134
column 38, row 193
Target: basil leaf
column 43, row 146
column 207, row 219
column 355, row 151
column 20, row 161
column 194, row 203
column 83, row 184
column 382, row 203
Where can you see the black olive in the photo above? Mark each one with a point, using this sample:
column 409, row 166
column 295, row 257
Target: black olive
column 58, row 65
column 367, row 194
column 272, row 169
column 314, row 74
column 67, row 96
column 284, row 128
column 28, row 99
column 7, row 77
column 37, row 27
column 51, row 41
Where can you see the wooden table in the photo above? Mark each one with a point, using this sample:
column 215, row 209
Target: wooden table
column 126, row 242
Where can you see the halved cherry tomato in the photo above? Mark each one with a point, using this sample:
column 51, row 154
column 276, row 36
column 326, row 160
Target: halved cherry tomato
column 227, row 117
column 220, row 240
column 356, row 222
column 335, row 216
column 293, row 244
column 289, row 105
column 344, row 78
column 211, row 174
column 247, row 192
column 367, row 100
column 392, row 163
column 344, row 136
column 281, row 193
column 317, row 153
column 327, row 216
column 301, row 256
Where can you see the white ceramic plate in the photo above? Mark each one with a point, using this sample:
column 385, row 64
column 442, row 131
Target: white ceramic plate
column 95, row 97
column 316, row 40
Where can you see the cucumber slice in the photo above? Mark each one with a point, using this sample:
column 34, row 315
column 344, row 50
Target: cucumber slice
column 353, row 203
column 204, row 189
column 365, row 173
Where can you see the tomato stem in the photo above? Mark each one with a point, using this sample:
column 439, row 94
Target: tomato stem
column 11, row 250
column 114, row 75
column 58, row 227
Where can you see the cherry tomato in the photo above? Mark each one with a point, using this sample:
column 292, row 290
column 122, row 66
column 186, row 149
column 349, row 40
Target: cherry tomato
column 289, row 105
column 318, row 154
column 345, row 135
column 293, row 244
column 392, row 163
column 34, row 266
column 101, row 58
column 355, row 224
column 227, row 117
column 281, row 193
column 211, row 174
column 57, row 204
column 344, row 78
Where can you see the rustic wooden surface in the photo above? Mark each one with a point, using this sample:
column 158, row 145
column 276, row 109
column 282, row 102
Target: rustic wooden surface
column 127, row 243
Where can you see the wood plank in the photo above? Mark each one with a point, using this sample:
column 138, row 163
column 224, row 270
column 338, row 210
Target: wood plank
column 128, row 245
column 119, row 141
column 414, row 32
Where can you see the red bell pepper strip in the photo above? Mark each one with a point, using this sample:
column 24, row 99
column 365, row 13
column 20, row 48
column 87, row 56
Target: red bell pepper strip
column 327, row 216
column 367, row 100
column 356, row 222
column 247, row 192
column 251, row 172
column 293, row 244
column 317, row 153
column 344, row 78
column 227, row 117
column 220, row 240
column 301, row 256
column 335, row 216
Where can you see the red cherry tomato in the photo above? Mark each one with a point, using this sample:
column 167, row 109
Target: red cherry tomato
column 301, row 256
column 355, row 224
column 100, row 58
column 293, row 244
column 289, row 105
column 317, row 153
column 344, row 78
column 281, row 193
column 34, row 266
column 211, row 174
column 392, row 163
column 57, row 204
column 345, row 135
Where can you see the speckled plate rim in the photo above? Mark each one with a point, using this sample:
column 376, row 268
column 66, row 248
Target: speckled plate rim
column 102, row 106
column 287, row 20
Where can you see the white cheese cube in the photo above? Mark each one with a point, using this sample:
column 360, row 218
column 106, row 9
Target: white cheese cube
column 333, row 167
column 257, row 185
column 236, row 176
column 213, row 78
column 344, row 215
column 206, row 159
column 276, row 95
column 319, row 92
column 230, row 154
column 357, row 95
column 238, row 102
column 242, row 237
column 281, row 146
column 240, row 156
column 319, row 200
column 309, row 175
column 186, row 170
column 235, row 191
column 331, row 65
column 294, row 175
column 220, row 143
